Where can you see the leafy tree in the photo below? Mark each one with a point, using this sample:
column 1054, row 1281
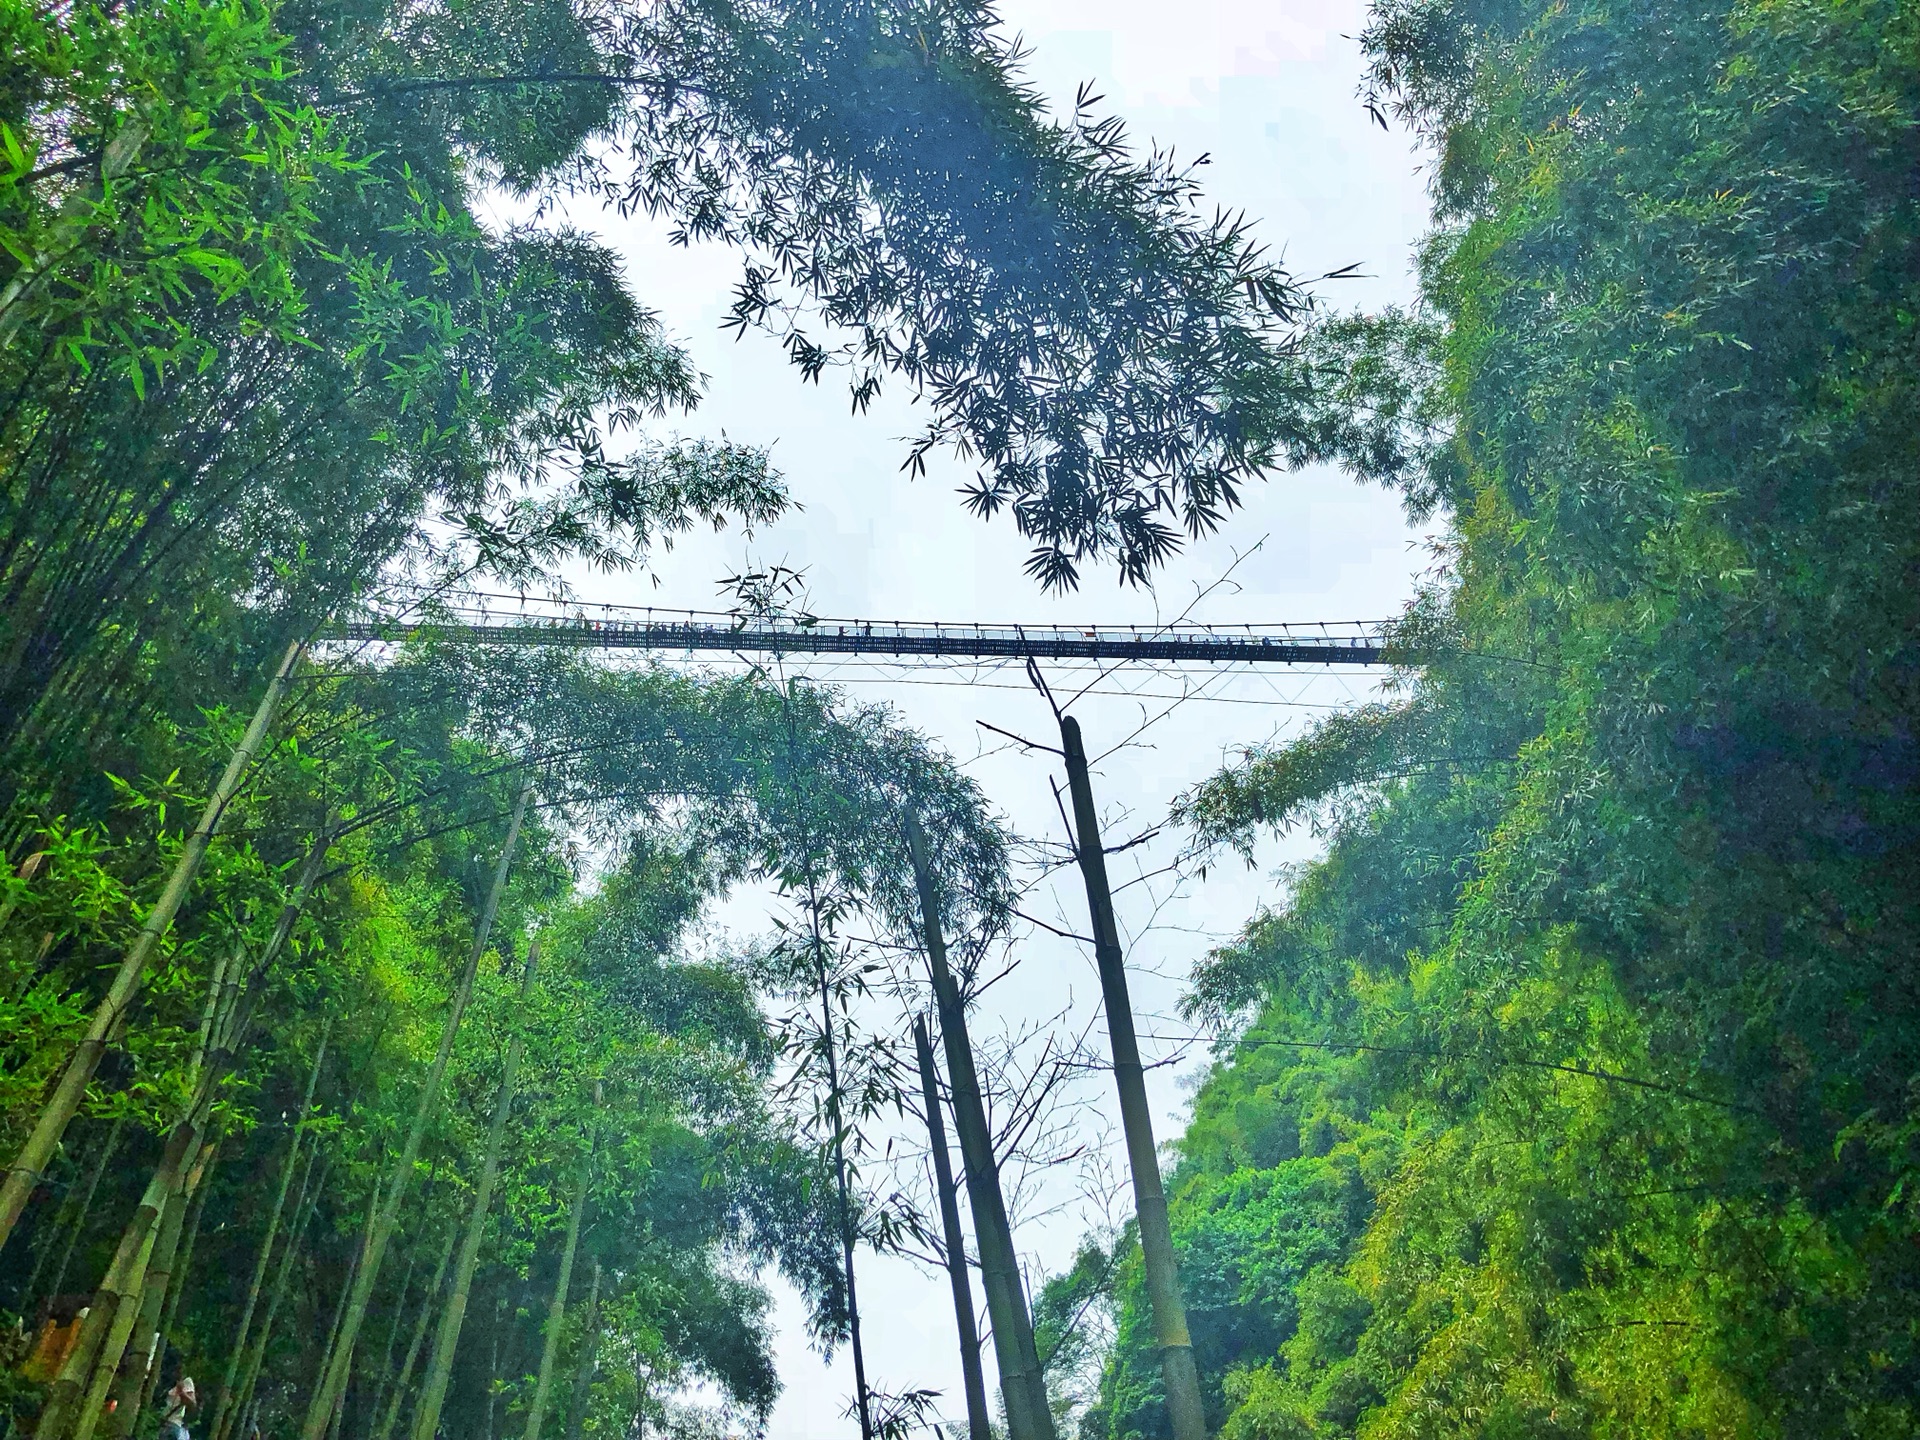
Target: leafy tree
column 1571, row 1093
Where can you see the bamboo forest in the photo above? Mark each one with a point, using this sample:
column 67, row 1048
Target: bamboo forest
column 684, row 753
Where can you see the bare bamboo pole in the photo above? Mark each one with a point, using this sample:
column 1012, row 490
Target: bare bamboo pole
column 217, row 1426
column 1179, row 1375
column 973, row 1380
column 320, row 1412
column 421, row 1321
column 85, row 1206
column 493, row 1361
column 433, row 1394
column 182, row 1268
column 1021, row 1385
column 86, row 1419
column 557, row 1307
column 332, row 1347
column 130, row 1381
column 303, row 1209
column 394, row 1328
column 589, row 1361
column 25, row 1171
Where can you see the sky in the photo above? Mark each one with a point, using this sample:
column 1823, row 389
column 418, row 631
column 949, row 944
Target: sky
column 1268, row 91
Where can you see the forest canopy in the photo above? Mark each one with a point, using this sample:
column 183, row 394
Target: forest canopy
column 1573, row 1093
column 365, row 1047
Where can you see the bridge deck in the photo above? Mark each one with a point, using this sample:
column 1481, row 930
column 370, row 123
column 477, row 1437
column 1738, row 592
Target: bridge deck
column 1241, row 645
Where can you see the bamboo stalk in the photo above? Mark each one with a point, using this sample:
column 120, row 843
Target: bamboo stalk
column 202, row 1189
column 129, row 1381
column 87, row 1418
column 973, row 1381
column 138, row 1365
column 400, row 1391
column 334, row 1340
column 111, row 1312
column 584, row 1368
column 557, row 1307
column 862, row 1405
column 393, row 1334
column 1181, row 1378
column 493, row 1361
column 426, row 1417
column 64, row 1103
column 1021, row 1386
column 303, row 1209
column 217, row 1426
column 85, row 1206
column 332, row 1347
column 319, row 1413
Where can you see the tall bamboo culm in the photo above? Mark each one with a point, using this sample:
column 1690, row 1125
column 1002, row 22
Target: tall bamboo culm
column 402, row 1383
column 333, row 1382
column 557, row 1307
column 303, row 1208
column 589, row 1362
column 1178, row 1373
column 1022, row 1387
column 110, row 1316
column 433, row 1393
column 81, row 1211
column 973, row 1381
column 218, row 1425
column 143, row 1355
column 64, row 1103
column 182, row 1270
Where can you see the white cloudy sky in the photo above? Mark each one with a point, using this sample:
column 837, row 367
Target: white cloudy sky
column 1268, row 90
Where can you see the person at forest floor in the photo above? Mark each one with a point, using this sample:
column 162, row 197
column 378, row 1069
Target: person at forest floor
column 180, row 1399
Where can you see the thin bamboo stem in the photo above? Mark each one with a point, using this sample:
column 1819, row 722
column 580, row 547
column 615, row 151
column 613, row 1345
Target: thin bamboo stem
column 973, row 1381
column 1021, row 1386
column 1185, row 1408
column 111, row 1313
column 588, row 1363
column 557, row 1307
column 421, row 1321
column 181, row 1270
column 217, row 1427
column 319, row 1413
column 130, row 1379
column 303, row 1209
column 65, row 1101
column 426, row 1416
column 85, row 1207
column 393, row 1334
column 862, row 1405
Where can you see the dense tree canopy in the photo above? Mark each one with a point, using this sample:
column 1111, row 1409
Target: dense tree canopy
column 645, row 1102
column 368, row 1059
column 1572, row 1093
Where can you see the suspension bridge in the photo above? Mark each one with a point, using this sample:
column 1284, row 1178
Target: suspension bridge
column 686, row 632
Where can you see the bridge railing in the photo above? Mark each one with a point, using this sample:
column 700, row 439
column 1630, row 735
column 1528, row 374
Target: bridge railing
column 1329, row 644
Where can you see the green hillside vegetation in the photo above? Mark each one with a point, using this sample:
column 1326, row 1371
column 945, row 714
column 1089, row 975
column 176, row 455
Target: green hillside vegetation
column 366, row 1049
column 1576, row 1092
column 645, row 1142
